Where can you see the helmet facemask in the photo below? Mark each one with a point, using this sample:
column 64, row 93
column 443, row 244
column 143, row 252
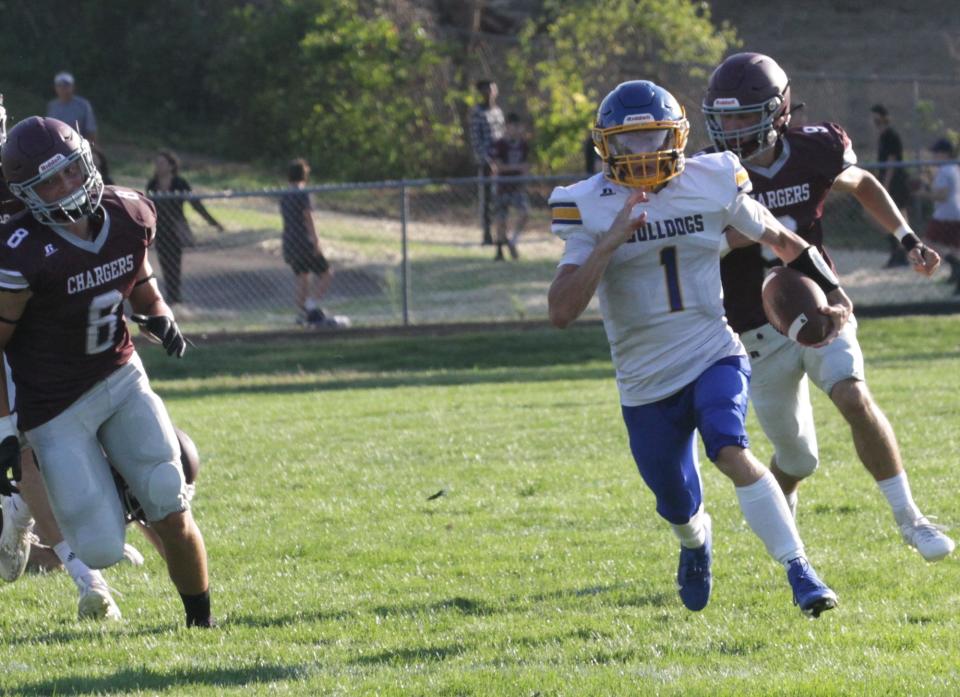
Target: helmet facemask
column 641, row 152
column 71, row 208
column 749, row 141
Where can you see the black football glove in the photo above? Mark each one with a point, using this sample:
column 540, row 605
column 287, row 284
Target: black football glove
column 166, row 330
column 9, row 461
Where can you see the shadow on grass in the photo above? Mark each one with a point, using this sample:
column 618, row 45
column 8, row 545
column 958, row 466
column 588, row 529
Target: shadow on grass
column 465, row 606
column 416, row 654
column 129, row 679
column 295, row 386
column 532, row 348
column 520, row 603
column 84, row 632
column 294, row 618
column 623, row 599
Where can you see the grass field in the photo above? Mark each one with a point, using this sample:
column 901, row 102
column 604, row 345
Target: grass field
column 542, row 569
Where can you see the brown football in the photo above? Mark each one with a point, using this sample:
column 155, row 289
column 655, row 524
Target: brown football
column 791, row 302
column 189, row 457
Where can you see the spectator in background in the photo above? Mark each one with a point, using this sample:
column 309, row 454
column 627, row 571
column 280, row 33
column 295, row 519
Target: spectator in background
column 173, row 230
column 486, row 126
column 944, row 227
column 74, row 111
column 894, row 179
column 301, row 249
column 509, row 157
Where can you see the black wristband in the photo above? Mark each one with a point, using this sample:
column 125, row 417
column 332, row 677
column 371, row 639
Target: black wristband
column 147, row 279
column 811, row 264
column 909, row 241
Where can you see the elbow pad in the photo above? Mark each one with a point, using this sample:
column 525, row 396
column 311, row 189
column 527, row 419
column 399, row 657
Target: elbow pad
column 811, row 263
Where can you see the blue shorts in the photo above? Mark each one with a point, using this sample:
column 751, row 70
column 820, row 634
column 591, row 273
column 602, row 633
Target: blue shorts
column 661, row 434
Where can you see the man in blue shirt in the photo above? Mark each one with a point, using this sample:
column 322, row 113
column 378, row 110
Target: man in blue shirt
column 74, row 111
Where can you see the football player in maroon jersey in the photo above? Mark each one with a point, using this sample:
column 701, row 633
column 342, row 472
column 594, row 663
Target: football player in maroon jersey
column 747, row 109
column 29, row 513
column 82, row 393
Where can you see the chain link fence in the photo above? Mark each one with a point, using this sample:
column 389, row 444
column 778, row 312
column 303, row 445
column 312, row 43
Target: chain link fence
column 410, row 252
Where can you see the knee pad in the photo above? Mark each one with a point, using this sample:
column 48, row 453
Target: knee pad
column 165, row 491
column 98, row 551
column 797, row 460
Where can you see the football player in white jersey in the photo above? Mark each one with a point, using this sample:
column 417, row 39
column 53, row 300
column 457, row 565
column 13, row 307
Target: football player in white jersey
column 645, row 235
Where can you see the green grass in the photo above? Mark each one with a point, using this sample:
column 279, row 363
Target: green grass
column 541, row 570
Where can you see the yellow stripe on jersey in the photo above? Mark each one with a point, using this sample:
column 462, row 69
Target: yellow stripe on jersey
column 566, row 214
column 742, row 179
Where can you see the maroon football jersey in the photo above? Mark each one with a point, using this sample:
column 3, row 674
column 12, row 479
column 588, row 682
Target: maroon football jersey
column 72, row 333
column 794, row 188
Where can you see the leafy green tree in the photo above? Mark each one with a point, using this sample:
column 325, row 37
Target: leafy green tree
column 580, row 49
column 335, row 81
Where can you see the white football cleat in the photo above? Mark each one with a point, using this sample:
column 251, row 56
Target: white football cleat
column 132, row 556
column 96, row 603
column 927, row 538
column 15, row 541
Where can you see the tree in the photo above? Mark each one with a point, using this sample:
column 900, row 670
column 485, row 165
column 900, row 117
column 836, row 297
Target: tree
column 339, row 83
column 579, row 50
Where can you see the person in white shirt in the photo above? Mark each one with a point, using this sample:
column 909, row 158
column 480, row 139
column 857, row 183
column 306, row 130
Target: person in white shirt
column 943, row 227
column 646, row 236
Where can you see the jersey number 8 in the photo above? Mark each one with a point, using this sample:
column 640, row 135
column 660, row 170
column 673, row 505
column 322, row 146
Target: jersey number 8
column 102, row 322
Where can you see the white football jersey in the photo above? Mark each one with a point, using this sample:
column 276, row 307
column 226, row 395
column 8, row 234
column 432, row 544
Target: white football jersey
column 660, row 296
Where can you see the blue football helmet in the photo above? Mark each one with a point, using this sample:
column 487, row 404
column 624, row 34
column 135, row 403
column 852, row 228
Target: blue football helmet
column 640, row 134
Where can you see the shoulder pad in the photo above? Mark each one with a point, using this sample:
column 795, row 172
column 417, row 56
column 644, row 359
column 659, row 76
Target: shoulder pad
column 140, row 209
column 826, row 139
column 826, row 135
column 565, row 215
column 17, row 253
column 718, row 176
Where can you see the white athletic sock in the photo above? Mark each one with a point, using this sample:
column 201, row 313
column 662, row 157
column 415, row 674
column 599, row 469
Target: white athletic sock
column 310, row 304
column 897, row 491
column 21, row 516
column 693, row 533
column 81, row 574
column 768, row 515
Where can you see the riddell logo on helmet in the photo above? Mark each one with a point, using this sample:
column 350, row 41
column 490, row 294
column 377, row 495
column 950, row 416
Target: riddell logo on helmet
column 638, row 118
column 726, row 101
column 51, row 163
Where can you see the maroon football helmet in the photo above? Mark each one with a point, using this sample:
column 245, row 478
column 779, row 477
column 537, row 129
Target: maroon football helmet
column 36, row 149
column 747, row 84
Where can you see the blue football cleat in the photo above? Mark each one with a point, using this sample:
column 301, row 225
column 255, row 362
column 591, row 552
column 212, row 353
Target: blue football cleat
column 694, row 579
column 809, row 592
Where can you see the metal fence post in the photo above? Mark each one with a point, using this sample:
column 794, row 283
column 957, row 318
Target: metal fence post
column 404, row 259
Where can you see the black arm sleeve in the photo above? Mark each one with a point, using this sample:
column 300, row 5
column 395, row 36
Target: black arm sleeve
column 811, row 263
